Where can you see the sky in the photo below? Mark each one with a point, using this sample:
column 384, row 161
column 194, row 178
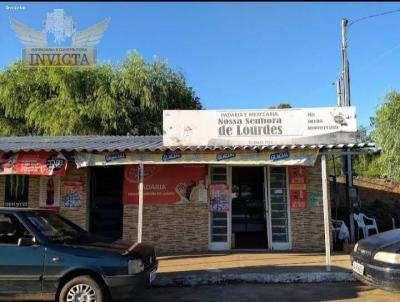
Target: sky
column 242, row 55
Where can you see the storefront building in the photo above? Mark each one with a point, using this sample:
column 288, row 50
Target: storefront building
column 195, row 198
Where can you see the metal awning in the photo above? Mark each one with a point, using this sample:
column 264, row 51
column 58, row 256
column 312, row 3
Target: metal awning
column 138, row 144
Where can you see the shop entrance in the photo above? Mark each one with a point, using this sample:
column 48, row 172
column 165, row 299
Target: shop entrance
column 249, row 229
column 106, row 208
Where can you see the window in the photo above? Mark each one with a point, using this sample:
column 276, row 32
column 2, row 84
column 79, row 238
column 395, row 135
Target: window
column 11, row 229
column 16, row 191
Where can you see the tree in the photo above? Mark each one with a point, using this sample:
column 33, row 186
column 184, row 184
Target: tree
column 105, row 100
column 387, row 129
column 281, row 106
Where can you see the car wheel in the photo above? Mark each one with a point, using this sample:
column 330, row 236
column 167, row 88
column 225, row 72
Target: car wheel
column 82, row 289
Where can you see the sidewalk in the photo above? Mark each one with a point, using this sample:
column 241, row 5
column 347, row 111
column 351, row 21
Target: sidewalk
column 251, row 267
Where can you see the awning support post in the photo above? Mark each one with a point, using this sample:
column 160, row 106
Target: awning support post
column 140, row 210
column 325, row 202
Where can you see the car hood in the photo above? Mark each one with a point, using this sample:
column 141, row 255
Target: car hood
column 135, row 249
column 387, row 241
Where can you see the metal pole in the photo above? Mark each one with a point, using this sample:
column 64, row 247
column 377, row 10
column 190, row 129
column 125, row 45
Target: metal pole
column 140, row 210
column 339, row 93
column 346, row 88
column 325, row 202
column 345, row 64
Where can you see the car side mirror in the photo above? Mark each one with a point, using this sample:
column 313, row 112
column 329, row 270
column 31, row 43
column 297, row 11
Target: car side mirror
column 26, row 241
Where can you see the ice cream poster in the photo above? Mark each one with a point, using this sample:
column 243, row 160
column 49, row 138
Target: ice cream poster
column 166, row 184
column 72, row 194
column 219, row 198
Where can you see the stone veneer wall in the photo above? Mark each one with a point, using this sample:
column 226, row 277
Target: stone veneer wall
column 172, row 229
column 308, row 224
column 79, row 216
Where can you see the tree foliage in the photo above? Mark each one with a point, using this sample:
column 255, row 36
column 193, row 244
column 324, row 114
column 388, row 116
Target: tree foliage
column 281, row 106
column 104, row 100
column 386, row 133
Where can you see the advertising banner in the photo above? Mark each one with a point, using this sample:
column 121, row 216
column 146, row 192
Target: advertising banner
column 259, row 127
column 275, row 158
column 72, row 194
column 49, row 192
column 166, row 184
column 298, row 186
column 33, row 163
column 219, row 198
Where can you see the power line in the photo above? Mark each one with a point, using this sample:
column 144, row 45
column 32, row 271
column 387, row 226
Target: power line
column 373, row 16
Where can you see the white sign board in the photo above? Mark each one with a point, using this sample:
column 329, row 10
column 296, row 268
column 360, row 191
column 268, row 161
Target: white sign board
column 333, row 125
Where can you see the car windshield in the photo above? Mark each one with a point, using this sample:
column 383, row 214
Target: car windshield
column 54, row 227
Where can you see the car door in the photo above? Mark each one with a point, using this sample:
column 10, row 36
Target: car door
column 21, row 267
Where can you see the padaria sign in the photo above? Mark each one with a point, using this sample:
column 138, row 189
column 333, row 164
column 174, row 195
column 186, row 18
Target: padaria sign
column 38, row 53
column 332, row 125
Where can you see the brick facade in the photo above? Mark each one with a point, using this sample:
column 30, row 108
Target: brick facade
column 183, row 228
column 308, row 224
column 173, row 228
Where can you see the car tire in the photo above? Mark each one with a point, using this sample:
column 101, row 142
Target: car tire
column 83, row 286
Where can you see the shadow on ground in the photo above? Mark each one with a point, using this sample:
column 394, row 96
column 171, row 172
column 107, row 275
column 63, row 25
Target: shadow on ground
column 311, row 292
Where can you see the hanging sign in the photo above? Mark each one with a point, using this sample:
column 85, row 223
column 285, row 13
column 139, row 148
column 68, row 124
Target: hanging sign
column 72, row 194
column 298, row 186
column 219, row 198
column 33, row 163
column 259, row 127
column 273, row 158
column 165, row 184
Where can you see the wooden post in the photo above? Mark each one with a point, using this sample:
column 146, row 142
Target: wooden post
column 140, row 210
column 325, row 201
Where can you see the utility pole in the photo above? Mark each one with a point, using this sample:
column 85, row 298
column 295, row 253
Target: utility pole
column 339, row 93
column 346, row 96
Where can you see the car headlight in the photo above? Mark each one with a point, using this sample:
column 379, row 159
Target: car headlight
column 387, row 257
column 356, row 247
column 135, row 266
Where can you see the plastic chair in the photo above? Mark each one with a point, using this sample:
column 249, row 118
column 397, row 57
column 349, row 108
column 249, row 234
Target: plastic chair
column 361, row 220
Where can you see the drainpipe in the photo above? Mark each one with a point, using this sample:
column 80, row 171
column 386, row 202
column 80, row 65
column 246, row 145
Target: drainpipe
column 140, row 210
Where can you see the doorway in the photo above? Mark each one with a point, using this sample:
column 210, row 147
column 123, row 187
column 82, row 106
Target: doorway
column 106, row 208
column 249, row 227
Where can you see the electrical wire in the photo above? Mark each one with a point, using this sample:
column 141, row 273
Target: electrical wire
column 373, row 16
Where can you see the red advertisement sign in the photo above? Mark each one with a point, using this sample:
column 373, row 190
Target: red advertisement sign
column 33, row 163
column 298, row 198
column 297, row 175
column 298, row 186
column 166, row 184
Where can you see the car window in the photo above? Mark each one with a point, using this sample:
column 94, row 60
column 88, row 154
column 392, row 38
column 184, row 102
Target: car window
column 54, row 227
column 11, row 229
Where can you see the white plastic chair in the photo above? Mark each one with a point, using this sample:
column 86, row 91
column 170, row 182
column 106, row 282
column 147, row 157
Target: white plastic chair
column 361, row 220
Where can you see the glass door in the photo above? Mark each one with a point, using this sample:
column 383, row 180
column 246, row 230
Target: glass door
column 279, row 209
column 248, row 208
column 219, row 221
